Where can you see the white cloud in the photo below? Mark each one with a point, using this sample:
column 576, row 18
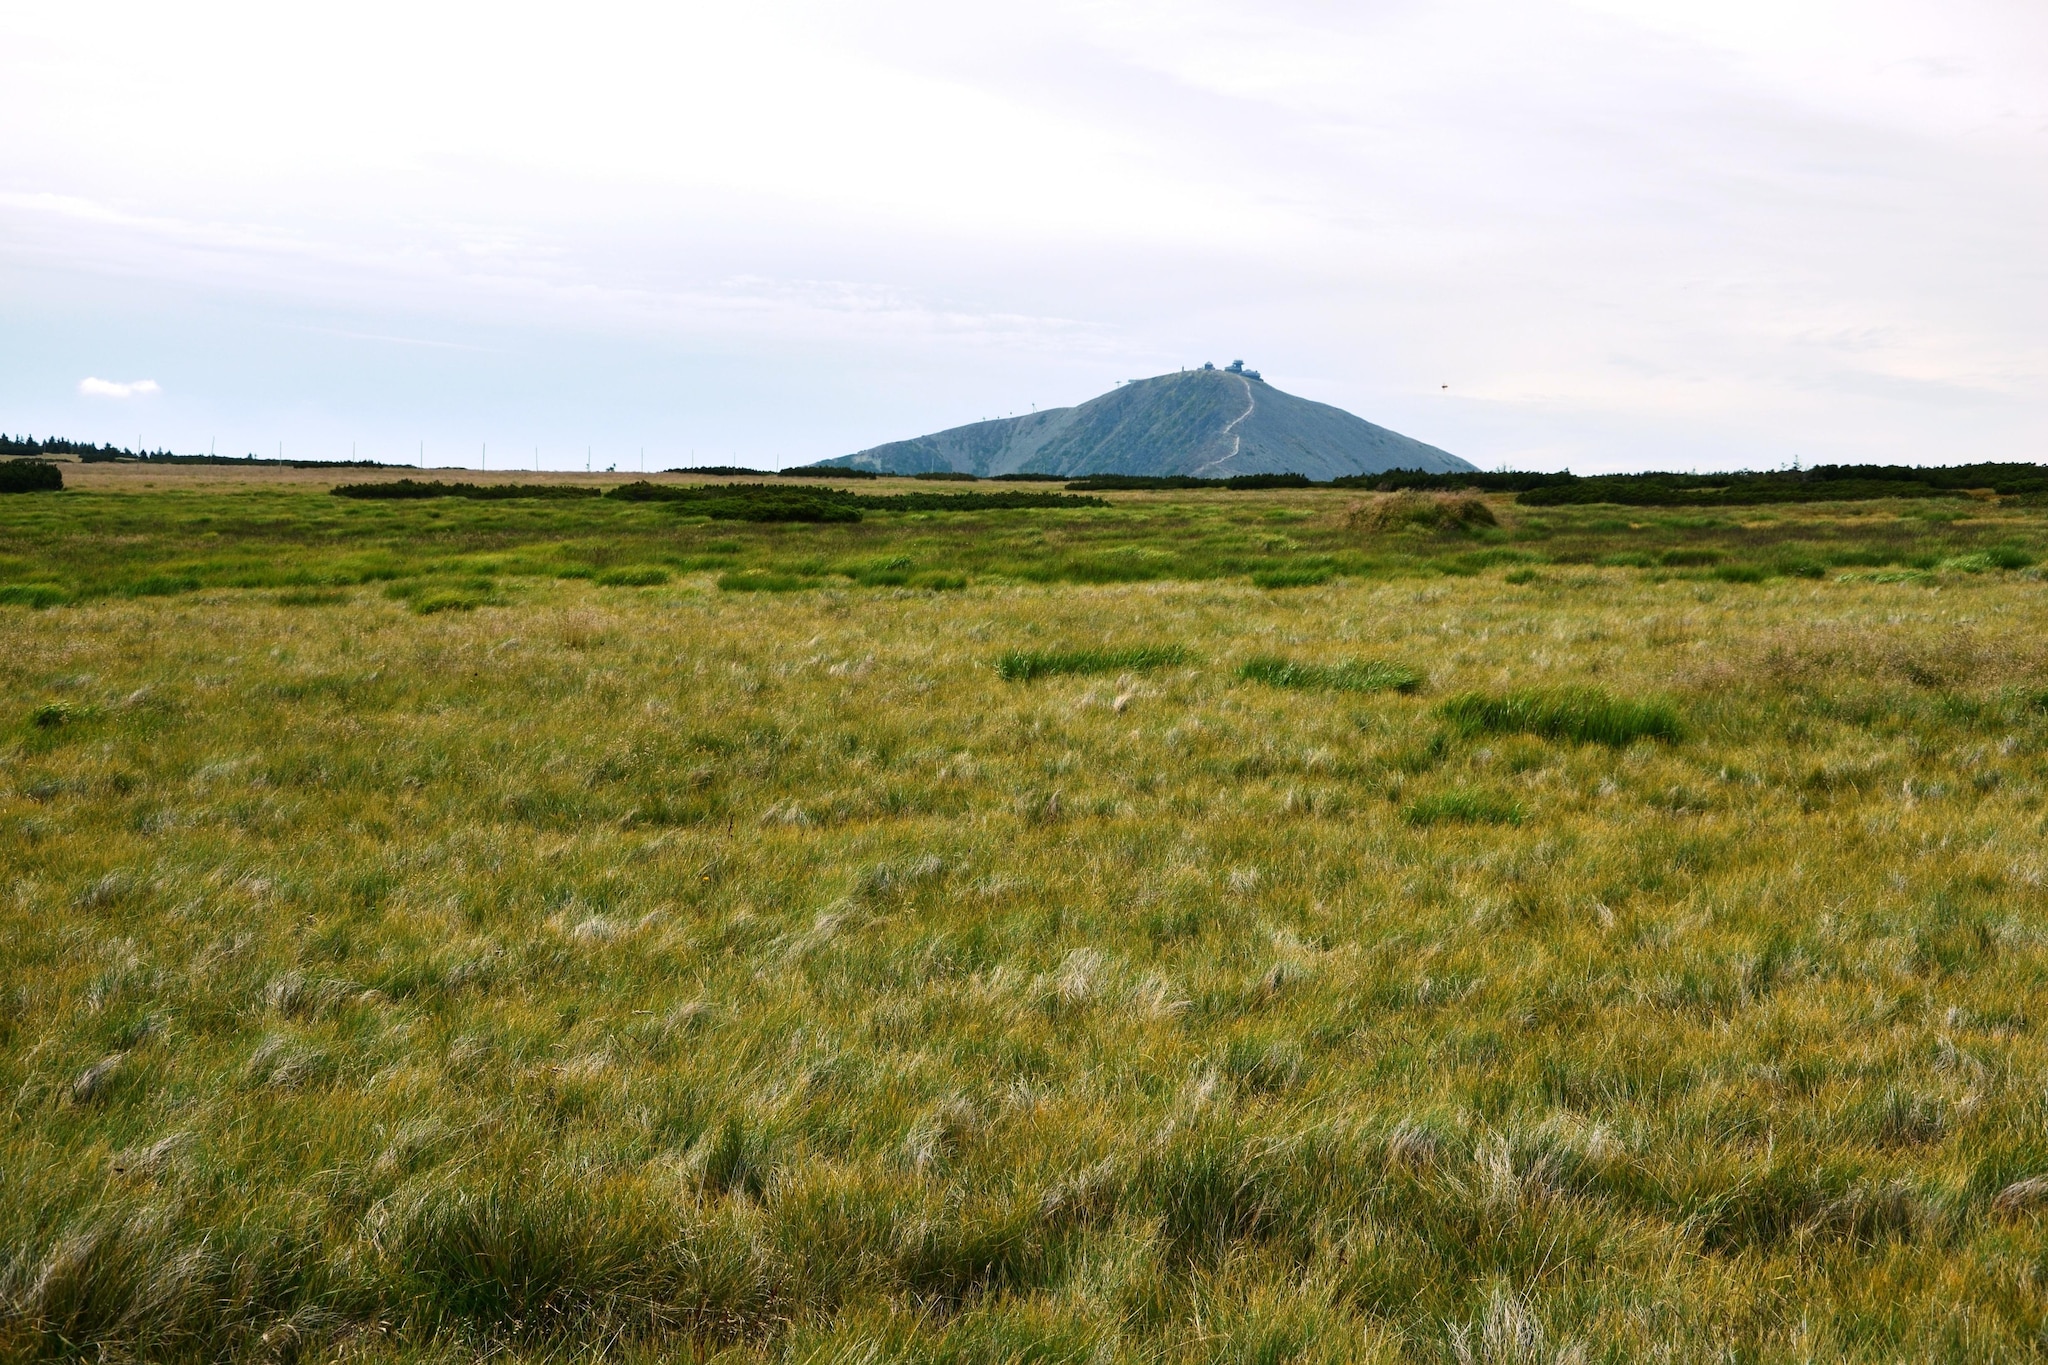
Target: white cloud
column 1623, row 232
column 108, row 388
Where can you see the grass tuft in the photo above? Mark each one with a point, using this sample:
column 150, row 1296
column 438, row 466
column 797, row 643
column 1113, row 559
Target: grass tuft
column 1411, row 511
column 1464, row 808
column 52, row 714
column 427, row 598
column 36, row 595
column 633, row 576
column 764, row 580
column 161, row 585
column 2011, row 557
column 1307, row 577
column 1585, row 715
column 1372, row 675
column 1023, row 665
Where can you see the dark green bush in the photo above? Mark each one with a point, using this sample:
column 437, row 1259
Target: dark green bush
column 1823, row 483
column 766, row 502
column 747, row 501
column 30, row 476
column 1587, row 715
column 1256, row 481
column 971, row 502
column 1136, row 482
column 408, row 489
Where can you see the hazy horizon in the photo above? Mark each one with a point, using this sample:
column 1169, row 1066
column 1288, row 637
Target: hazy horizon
column 1603, row 234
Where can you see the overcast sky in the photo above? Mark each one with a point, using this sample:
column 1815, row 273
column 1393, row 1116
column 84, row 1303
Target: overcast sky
column 1602, row 234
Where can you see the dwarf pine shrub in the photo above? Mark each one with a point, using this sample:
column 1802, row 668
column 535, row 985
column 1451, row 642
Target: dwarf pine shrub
column 405, row 490
column 808, row 503
column 30, row 476
column 1584, row 715
column 747, row 501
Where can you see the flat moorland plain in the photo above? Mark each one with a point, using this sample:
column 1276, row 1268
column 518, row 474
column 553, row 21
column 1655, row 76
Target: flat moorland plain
column 439, row 930
column 139, row 531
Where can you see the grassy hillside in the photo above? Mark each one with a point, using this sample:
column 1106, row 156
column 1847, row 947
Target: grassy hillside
column 1455, row 959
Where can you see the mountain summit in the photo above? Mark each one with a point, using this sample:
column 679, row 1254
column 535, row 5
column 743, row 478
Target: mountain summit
column 1209, row 423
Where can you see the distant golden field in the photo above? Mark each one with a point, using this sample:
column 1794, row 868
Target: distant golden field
column 1519, row 945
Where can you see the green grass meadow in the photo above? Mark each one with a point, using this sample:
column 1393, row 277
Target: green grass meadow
column 439, row 932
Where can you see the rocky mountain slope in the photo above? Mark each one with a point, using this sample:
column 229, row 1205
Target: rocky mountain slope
column 1209, row 423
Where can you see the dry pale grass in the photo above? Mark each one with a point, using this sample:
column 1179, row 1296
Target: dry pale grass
column 1922, row 647
column 1412, row 511
column 663, row 973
